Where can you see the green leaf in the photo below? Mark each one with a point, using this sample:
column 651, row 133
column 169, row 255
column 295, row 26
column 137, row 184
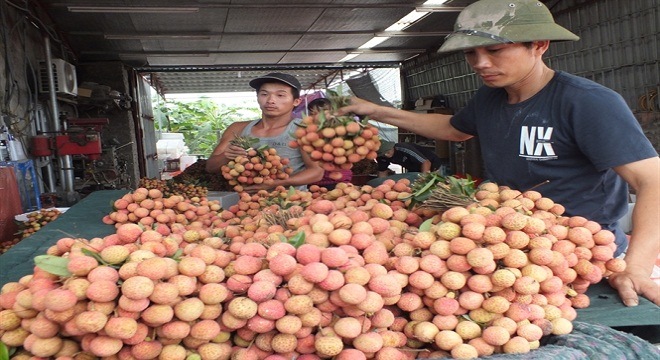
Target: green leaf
column 422, row 194
column 53, row 264
column 491, row 207
column 426, row 225
column 321, row 119
column 4, row 351
column 458, row 186
column 454, row 185
column 297, row 240
column 291, row 192
column 430, row 182
column 93, row 254
column 177, row 255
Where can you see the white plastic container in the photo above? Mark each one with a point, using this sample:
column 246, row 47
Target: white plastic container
column 171, row 136
column 186, row 160
column 170, row 146
column 16, row 152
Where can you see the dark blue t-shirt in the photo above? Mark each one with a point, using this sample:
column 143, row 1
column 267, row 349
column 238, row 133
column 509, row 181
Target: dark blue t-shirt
column 571, row 133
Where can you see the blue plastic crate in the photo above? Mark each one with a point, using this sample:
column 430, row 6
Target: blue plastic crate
column 28, row 188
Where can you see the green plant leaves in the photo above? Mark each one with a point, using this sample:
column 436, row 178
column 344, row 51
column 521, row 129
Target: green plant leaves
column 94, row 255
column 460, row 186
column 423, row 186
column 201, row 121
column 291, row 192
column 322, row 119
column 177, row 255
column 5, row 352
column 426, row 225
column 427, row 185
column 53, row 264
column 297, row 240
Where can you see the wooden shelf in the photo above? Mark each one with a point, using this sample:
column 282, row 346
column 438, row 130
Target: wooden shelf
column 441, row 147
column 416, row 139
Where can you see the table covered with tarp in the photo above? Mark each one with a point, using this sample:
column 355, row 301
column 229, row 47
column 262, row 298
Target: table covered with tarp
column 83, row 220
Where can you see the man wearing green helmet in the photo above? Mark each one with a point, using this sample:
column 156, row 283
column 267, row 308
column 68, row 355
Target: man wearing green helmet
column 536, row 124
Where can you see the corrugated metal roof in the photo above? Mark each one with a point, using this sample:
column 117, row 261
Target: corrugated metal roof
column 218, row 45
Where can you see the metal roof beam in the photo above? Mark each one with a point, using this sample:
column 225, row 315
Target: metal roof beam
column 261, row 67
column 187, row 7
column 208, row 53
column 210, row 35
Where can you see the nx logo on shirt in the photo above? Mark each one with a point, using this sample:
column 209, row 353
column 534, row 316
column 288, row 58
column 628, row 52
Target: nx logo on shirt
column 536, row 144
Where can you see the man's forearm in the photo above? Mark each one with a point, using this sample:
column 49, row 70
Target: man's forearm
column 645, row 240
column 435, row 126
column 215, row 162
column 303, row 177
column 426, row 166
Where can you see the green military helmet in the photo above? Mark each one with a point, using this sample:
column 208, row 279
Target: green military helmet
column 491, row 22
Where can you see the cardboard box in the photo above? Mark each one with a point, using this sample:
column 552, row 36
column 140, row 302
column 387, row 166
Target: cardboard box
column 82, row 92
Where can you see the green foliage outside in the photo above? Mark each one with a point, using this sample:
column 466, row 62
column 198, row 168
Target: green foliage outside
column 201, row 122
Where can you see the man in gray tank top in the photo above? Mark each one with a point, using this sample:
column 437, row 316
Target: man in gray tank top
column 277, row 94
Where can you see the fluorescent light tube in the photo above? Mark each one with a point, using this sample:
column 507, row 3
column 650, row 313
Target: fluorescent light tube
column 131, row 9
column 411, row 33
column 385, row 51
column 439, row 8
column 155, row 37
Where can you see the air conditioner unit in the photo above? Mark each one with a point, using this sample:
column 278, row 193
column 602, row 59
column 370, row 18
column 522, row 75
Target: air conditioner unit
column 64, row 76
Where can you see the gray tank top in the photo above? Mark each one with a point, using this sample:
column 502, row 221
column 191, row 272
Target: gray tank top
column 280, row 143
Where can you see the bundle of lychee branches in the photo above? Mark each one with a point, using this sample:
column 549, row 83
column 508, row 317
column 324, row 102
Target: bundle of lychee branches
column 436, row 192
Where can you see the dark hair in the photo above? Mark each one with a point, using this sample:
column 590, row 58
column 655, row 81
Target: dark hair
column 320, row 103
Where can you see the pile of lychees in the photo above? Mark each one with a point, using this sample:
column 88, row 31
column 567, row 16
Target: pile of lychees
column 352, row 274
column 35, row 220
column 261, row 165
column 336, row 141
